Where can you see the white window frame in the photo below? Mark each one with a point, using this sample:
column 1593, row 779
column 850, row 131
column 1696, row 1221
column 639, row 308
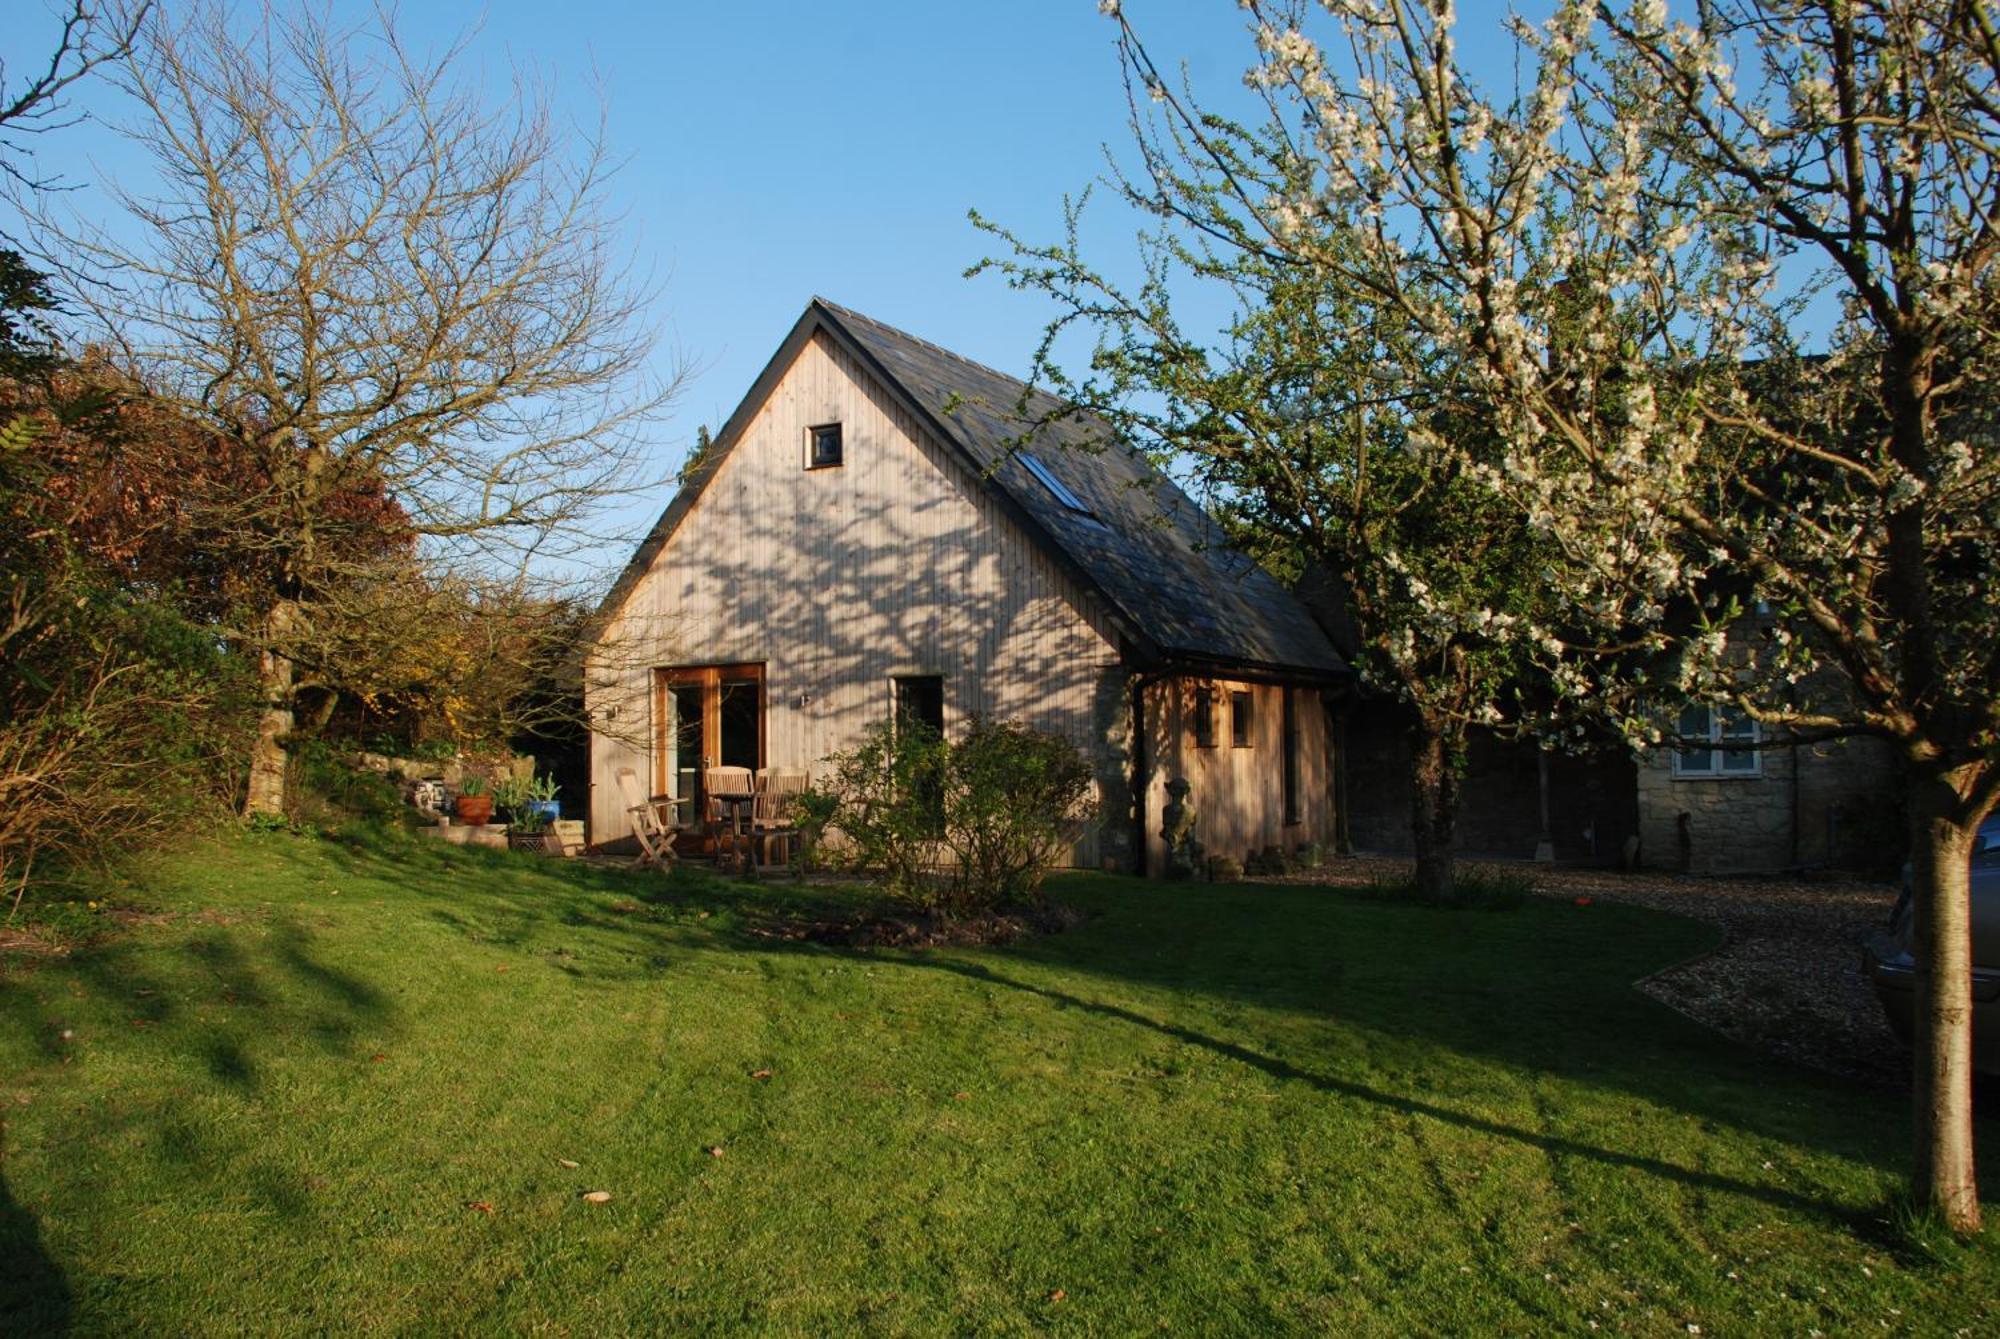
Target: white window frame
column 1718, row 764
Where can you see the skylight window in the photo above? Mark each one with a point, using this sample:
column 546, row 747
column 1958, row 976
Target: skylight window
column 1057, row 487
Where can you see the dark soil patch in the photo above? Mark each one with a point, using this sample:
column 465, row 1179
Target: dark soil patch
column 879, row 929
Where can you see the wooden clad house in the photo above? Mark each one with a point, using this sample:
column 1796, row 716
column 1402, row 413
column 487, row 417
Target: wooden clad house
column 870, row 536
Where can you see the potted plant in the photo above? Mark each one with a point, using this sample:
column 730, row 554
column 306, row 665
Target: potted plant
column 541, row 797
column 530, row 830
column 473, row 805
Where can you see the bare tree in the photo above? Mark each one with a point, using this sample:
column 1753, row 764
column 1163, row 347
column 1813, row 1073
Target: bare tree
column 89, row 37
column 405, row 312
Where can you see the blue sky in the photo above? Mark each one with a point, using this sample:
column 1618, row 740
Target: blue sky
column 774, row 151
column 777, row 150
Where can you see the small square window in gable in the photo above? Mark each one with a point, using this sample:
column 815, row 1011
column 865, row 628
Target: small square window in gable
column 824, row 447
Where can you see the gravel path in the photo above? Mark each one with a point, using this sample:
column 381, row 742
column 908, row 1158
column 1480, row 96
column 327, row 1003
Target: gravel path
column 1787, row 979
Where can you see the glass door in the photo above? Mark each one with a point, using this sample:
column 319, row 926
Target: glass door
column 709, row 716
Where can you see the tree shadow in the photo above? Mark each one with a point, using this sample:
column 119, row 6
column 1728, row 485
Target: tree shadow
column 1550, row 1144
column 533, row 905
column 1544, row 990
column 218, row 991
column 34, row 1292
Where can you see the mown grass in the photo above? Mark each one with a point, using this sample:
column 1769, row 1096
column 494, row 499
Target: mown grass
column 327, row 1086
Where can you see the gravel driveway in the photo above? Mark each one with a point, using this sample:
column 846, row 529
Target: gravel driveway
column 1787, row 978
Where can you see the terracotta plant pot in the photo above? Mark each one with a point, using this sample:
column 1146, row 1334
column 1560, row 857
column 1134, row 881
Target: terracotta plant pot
column 473, row 810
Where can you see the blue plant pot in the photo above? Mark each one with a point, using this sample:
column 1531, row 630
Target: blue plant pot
column 549, row 809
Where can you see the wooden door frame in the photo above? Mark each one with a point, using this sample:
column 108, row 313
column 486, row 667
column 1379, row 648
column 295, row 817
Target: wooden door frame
column 709, row 678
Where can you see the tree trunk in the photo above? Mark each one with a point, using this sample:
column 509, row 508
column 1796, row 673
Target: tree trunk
column 1435, row 754
column 1941, row 833
column 268, row 759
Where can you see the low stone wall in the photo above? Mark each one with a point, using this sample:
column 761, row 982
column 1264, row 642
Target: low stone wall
column 451, row 770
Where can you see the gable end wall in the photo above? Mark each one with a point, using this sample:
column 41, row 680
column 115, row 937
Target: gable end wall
column 837, row 580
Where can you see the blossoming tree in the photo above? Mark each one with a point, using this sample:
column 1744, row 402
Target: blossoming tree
column 1722, row 284
column 1317, row 430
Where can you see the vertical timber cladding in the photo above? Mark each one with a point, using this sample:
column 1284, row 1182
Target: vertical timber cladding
column 1239, row 789
column 839, row 579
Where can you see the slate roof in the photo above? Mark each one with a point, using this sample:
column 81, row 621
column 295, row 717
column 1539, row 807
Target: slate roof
column 1170, row 582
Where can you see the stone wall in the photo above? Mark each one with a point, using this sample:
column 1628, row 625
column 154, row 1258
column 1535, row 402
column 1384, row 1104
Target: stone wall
column 1834, row 805
column 450, row 770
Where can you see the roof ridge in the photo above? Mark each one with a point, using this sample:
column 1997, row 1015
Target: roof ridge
column 956, row 357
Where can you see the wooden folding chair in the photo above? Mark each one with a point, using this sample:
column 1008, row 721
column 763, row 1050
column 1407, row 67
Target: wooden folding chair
column 653, row 823
column 774, row 815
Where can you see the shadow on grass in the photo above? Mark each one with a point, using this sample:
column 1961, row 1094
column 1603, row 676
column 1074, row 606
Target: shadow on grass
column 34, row 1292
column 1545, row 988
column 1553, row 1145
column 531, row 904
column 214, row 990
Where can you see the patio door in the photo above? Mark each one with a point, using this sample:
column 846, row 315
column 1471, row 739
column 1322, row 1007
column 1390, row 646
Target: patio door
column 709, row 716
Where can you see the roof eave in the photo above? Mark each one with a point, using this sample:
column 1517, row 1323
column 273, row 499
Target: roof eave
column 1183, row 662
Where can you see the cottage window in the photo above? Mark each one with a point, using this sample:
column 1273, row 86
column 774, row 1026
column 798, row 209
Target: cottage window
column 920, row 710
column 823, row 446
column 1239, row 720
column 1204, row 718
column 920, row 702
column 1719, row 726
column 1294, row 811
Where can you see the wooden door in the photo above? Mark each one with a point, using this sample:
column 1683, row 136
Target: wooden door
column 708, row 716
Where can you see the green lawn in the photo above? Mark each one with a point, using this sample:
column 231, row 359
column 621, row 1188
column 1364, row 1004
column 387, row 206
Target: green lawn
column 290, row 1099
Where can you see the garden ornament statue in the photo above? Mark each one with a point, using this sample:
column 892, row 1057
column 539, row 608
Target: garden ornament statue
column 1183, row 847
column 428, row 797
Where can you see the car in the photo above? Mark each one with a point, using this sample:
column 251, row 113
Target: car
column 1891, row 967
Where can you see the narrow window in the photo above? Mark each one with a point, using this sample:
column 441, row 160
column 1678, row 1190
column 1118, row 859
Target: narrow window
column 823, row 447
column 1239, row 720
column 1694, row 724
column 1734, row 726
column 1293, row 812
column 920, row 702
column 920, row 708
column 1204, row 718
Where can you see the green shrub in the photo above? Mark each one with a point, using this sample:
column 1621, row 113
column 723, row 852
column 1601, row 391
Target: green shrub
column 881, row 791
column 328, row 791
column 814, row 812
column 118, row 722
column 959, row 827
column 1013, row 798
